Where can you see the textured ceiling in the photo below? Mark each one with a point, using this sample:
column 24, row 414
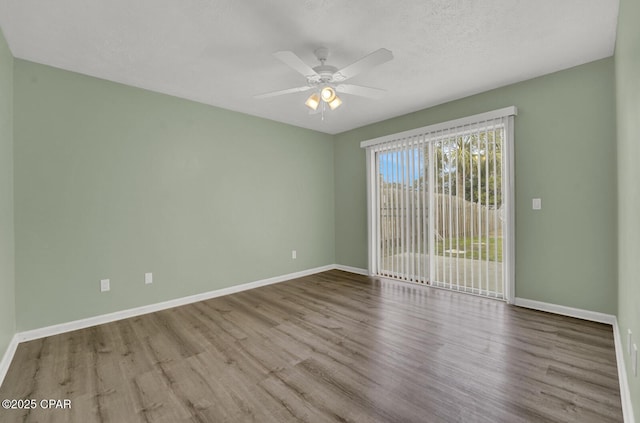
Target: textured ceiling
column 219, row 52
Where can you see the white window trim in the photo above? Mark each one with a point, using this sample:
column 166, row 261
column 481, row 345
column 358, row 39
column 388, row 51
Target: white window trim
column 480, row 117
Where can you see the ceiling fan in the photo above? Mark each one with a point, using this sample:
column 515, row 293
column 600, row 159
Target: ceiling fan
column 326, row 80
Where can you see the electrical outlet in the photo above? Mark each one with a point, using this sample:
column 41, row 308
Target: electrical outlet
column 629, row 341
column 634, row 360
column 148, row 278
column 294, row 254
column 105, row 285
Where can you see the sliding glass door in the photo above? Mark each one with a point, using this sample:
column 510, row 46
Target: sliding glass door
column 440, row 211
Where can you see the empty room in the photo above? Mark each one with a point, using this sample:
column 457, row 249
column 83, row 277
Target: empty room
column 319, row 211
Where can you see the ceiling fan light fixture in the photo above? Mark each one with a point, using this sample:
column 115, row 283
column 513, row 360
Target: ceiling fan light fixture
column 335, row 103
column 328, row 94
column 322, row 80
column 313, row 101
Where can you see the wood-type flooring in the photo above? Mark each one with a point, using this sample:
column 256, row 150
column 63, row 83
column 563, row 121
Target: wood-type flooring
column 331, row 347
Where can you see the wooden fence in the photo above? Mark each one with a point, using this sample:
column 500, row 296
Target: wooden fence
column 454, row 217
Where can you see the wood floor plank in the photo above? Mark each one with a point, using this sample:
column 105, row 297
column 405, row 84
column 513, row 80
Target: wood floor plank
column 330, row 347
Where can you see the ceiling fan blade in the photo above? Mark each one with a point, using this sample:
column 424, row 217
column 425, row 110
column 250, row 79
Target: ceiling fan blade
column 361, row 91
column 282, row 92
column 290, row 59
column 376, row 58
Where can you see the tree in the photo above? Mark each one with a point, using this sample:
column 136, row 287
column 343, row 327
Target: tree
column 475, row 160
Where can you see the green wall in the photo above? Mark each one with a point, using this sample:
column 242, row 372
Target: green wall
column 7, row 285
column 564, row 153
column 627, row 59
column 113, row 181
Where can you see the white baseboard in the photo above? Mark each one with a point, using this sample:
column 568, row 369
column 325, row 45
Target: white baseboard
column 625, row 394
column 137, row 311
column 579, row 313
column 350, row 269
column 7, row 357
column 124, row 314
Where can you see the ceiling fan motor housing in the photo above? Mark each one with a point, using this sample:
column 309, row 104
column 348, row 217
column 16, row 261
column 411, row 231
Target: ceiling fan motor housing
column 326, row 72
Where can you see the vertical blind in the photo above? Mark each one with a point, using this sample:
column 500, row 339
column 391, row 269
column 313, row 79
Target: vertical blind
column 439, row 205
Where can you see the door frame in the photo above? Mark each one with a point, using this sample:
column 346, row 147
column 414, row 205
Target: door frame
column 508, row 169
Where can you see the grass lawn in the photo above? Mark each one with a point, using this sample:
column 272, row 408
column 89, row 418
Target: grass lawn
column 471, row 248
